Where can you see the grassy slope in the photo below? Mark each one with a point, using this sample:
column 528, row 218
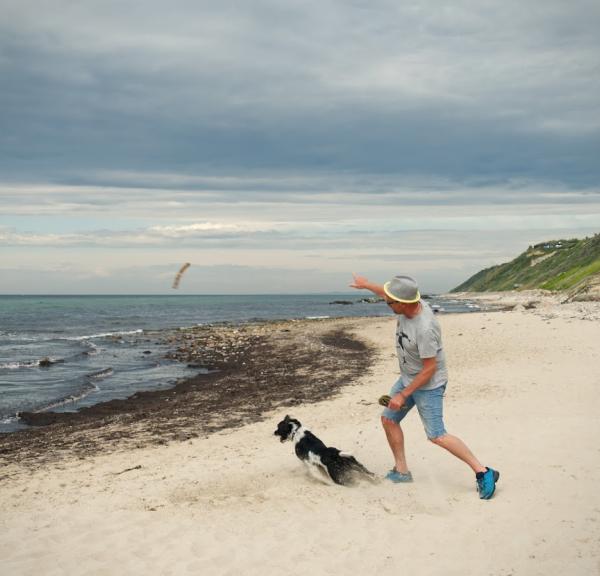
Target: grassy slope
column 542, row 266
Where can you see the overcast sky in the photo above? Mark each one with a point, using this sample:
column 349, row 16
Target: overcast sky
column 279, row 146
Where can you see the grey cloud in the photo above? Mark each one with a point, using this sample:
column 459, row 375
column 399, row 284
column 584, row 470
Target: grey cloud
column 496, row 90
column 150, row 238
column 290, row 197
column 418, row 232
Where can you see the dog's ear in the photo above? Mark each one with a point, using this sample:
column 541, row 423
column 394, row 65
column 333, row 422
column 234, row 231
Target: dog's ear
column 287, row 417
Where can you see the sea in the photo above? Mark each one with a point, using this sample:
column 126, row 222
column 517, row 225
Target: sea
column 61, row 353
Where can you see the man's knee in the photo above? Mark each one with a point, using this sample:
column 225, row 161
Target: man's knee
column 388, row 422
column 439, row 440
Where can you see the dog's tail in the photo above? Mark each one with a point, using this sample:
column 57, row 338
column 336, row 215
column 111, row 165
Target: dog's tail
column 344, row 468
column 356, row 465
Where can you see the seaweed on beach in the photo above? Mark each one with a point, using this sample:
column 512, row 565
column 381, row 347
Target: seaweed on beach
column 254, row 368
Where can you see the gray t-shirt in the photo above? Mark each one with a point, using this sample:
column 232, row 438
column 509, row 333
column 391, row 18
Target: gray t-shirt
column 417, row 338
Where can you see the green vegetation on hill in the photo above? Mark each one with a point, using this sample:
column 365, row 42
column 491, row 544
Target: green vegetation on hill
column 552, row 265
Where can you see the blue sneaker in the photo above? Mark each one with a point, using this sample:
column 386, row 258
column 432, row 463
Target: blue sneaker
column 486, row 483
column 397, row 477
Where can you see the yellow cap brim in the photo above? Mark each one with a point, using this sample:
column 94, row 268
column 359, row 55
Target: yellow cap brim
column 388, row 293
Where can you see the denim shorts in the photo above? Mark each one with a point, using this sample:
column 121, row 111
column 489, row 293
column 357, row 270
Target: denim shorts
column 430, row 404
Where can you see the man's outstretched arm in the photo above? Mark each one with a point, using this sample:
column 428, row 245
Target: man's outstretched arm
column 362, row 283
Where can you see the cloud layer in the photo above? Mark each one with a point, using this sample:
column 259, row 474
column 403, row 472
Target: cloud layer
column 301, row 135
column 456, row 89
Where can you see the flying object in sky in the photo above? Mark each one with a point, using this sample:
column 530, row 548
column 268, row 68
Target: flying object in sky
column 180, row 274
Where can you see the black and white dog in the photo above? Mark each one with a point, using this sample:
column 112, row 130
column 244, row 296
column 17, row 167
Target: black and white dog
column 335, row 465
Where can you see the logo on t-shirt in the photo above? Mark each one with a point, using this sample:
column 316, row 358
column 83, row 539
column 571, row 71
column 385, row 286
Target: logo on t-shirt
column 401, row 337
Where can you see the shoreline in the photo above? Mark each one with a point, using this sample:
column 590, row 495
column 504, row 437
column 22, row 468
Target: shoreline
column 210, row 358
column 217, row 348
column 252, row 368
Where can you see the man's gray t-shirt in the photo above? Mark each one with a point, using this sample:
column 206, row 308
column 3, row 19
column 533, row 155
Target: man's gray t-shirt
column 417, row 338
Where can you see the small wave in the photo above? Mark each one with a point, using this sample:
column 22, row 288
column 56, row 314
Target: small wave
column 86, row 348
column 31, row 363
column 101, row 374
column 22, row 338
column 86, row 391
column 8, row 419
column 91, row 348
column 53, row 338
column 105, row 335
column 317, row 317
column 17, row 365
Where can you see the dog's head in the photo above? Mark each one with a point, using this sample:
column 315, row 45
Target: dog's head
column 286, row 428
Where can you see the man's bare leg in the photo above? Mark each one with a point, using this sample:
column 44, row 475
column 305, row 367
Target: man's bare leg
column 456, row 446
column 395, row 438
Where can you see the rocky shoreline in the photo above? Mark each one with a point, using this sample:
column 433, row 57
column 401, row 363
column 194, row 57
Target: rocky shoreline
column 252, row 368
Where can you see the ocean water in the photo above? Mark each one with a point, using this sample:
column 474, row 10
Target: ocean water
column 105, row 347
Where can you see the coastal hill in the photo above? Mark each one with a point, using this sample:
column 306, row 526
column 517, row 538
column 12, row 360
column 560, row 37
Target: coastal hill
column 570, row 266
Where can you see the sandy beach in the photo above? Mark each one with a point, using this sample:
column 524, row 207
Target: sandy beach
column 523, row 394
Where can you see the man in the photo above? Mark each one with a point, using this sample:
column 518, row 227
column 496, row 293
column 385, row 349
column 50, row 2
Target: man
column 423, row 379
